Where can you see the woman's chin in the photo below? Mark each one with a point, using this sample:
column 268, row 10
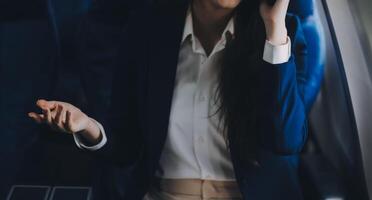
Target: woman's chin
column 227, row 4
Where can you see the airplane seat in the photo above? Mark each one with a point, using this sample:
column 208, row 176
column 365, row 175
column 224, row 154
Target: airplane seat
column 67, row 15
column 98, row 36
column 38, row 60
column 27, row 65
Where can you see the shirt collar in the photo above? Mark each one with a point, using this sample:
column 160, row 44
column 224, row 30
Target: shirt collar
column 189, row 29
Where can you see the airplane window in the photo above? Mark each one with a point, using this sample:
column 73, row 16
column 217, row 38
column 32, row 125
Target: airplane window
column 362, row 10
column 338, row 116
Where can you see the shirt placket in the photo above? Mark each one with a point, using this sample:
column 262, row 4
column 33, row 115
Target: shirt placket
column 200, row 116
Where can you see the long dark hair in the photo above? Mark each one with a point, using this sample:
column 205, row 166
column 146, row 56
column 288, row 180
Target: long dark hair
column 238, row 81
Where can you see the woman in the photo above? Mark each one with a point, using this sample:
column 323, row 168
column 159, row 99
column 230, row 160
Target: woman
column 207, row 102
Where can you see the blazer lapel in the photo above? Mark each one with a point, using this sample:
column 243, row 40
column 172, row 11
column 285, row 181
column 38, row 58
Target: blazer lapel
column 164, row 44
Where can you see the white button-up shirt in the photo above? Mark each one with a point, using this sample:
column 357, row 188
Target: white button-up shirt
column 195, row 146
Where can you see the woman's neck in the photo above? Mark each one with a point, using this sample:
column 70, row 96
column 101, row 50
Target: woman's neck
column 209, row 22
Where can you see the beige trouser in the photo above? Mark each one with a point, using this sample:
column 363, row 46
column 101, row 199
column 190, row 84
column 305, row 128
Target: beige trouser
column 193, row 189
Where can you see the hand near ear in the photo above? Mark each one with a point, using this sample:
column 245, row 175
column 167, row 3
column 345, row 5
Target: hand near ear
column 274, row 19
column 66, row 118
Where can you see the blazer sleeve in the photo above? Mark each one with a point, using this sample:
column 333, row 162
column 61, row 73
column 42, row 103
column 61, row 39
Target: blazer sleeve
column 282, row 120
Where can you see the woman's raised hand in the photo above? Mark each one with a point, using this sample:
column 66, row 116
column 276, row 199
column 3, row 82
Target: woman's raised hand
column 66, row 118
column 274, row 19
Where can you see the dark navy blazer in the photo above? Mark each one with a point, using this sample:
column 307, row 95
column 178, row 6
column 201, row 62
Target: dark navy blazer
column 137, row 124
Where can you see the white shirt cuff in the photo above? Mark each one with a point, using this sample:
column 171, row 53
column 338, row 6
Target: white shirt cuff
column 103, row 141
column 277, row 54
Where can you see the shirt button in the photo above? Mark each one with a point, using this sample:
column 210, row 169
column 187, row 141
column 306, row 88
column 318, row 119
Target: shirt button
column 202, row 98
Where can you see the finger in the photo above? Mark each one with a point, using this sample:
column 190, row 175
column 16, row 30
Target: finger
column 68, row 122
column 54, row 115
column 47, row 117
column 43, row 104
column 62, row 118
column 38, row 118
column 57, row 118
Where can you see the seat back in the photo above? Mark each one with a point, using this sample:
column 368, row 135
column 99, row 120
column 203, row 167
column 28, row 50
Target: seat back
column 66, row 16
column 27, row 66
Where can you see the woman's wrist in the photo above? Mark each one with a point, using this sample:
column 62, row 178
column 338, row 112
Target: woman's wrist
column 276, row 32
column 92, row 132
